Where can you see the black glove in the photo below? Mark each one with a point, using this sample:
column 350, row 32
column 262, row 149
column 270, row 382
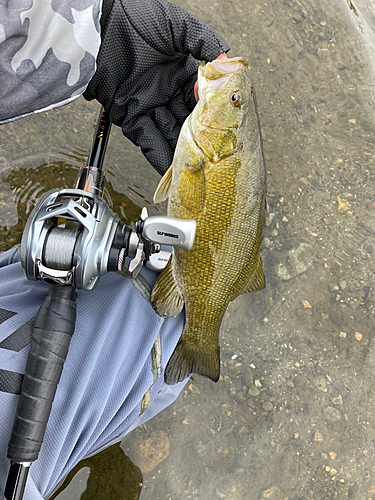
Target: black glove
column 146, row 70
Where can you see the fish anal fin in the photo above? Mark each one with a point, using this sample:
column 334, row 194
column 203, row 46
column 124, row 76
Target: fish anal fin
column 256, row 282
column 165, row 296
column 188, row 358
column 162, row 191
column 192, row 187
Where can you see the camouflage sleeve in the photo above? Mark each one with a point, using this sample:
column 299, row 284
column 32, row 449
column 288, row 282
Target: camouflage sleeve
column 48, row 53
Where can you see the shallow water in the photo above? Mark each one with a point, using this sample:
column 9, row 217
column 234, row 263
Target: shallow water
column 293, row 415
column 44, row 151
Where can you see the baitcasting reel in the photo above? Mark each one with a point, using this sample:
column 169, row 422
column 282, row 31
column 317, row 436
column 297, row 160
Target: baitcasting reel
column 72, row 237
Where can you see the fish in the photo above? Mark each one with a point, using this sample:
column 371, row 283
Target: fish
column 217, row 178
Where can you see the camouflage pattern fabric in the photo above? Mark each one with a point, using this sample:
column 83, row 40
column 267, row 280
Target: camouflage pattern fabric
column 42, row 43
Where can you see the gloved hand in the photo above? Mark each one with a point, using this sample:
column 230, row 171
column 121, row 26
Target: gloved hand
column 146, row 70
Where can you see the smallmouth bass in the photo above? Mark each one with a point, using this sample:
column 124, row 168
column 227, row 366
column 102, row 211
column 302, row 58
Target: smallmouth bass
column 217, row 178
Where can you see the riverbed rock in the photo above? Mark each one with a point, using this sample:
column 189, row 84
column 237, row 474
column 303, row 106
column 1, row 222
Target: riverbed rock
column 295, row 261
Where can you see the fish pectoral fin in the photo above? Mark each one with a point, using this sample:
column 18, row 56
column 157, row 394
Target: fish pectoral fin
column 256, row 282
column 191, row 357
column 165, row 297
column 192, row 187
column 221, row 143
column 162, row 191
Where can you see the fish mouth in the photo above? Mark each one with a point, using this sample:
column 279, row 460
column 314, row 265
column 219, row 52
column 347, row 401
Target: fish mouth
column 216, row 74
column 222, row 68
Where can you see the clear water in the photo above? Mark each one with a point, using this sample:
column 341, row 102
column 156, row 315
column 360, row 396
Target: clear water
column 293, row 416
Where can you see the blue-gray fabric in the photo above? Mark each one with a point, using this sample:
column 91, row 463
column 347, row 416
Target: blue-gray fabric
column 107, row 372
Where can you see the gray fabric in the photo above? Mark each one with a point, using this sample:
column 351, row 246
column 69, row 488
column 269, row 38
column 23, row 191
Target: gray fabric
column 20, row 338
column 65, row 8
column 109, row 369
column 47, row 53
column 4, row 315
column 10, row 382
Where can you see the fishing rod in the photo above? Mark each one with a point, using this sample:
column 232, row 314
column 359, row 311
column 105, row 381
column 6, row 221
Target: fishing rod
column 72, row 238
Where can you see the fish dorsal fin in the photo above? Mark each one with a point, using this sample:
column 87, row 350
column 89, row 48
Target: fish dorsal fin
column 165, row 297
column 162, row 191
column 256, row 282
column 192, row 187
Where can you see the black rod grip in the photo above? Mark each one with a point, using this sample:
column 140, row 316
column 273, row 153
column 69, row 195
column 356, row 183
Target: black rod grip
column 53, row 330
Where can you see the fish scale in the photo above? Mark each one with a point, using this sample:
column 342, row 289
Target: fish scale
column 217, row 178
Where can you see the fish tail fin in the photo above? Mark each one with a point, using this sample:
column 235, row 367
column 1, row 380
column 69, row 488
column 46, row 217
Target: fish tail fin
column 188, row 358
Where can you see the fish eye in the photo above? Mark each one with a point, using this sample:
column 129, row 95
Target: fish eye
column 235, row 98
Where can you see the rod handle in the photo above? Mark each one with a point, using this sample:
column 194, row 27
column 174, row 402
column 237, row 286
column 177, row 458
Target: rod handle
column 53, row 330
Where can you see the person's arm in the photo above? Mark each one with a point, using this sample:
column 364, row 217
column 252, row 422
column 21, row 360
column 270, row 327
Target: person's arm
column 55, row 70
column 146, row 71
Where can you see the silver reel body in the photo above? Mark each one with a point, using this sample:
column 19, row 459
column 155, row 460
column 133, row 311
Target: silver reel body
column 93, row 240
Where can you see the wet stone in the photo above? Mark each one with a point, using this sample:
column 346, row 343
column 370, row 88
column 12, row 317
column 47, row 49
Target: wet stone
column 342, row 206
column 200, row 447
column 295, row 261
column 342, row 284
column 340, row 387
column 267, row 406
column 320, row 383
column 253, row 391
column 358, row 336
column 318, row 437
column 353, row 490
column 331, row 414
column 270, row 218
column 337, row 400
column 298, row 17
column 150, row 451
column 368, row 248
column 240, row 396
column 336, row 317
column 333, row 287
column 272, row 493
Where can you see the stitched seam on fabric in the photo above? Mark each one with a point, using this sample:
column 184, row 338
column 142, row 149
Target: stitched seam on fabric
column 143, row 287
column 10, row 260
column 135, row 29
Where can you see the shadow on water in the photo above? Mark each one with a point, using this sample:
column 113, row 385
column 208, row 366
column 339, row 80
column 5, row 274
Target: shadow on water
column 92, row 476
